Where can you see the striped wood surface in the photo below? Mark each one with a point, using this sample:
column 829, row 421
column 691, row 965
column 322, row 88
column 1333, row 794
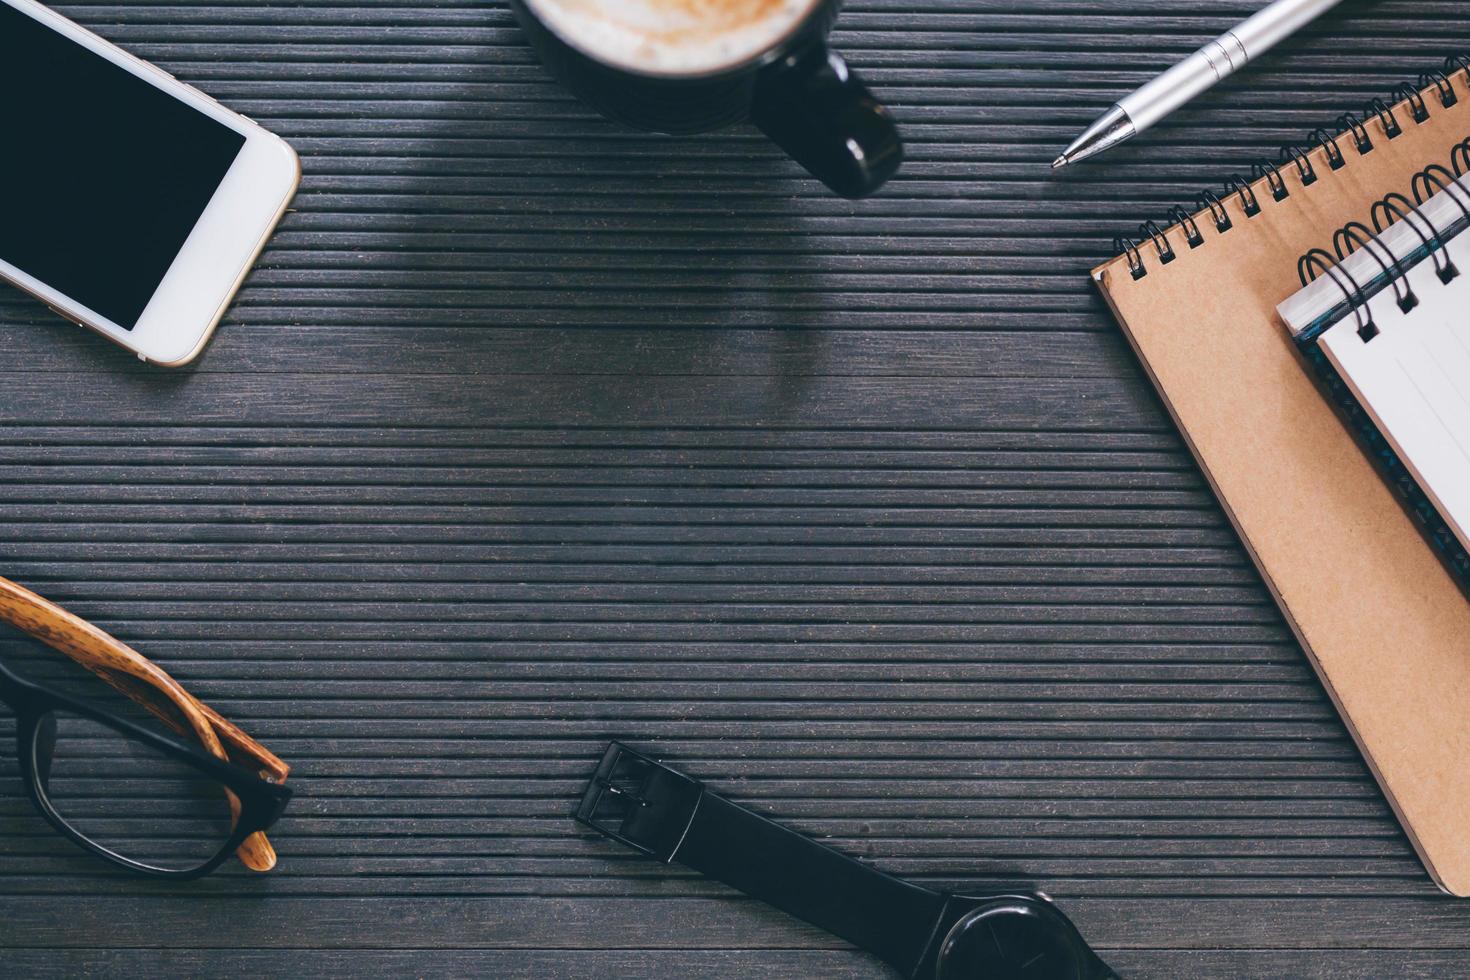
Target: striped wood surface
column 531, row 431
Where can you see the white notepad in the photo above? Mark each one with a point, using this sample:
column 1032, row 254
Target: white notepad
column 1408, row 369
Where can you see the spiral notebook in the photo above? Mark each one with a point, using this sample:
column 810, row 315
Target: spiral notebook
column 1381, row 320
column 1376, row 610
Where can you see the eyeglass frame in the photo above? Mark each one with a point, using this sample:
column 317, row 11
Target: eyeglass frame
column 134, row 675
column 261, row 802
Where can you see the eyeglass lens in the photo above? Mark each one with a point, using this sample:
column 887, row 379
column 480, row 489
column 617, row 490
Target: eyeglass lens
column 128, row 797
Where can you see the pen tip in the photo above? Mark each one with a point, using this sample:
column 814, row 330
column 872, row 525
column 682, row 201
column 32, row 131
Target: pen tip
column 1059, row 162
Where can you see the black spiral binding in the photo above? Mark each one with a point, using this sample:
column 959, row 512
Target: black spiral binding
column 1355, row 235
column 1396, row 207
column 1320, row 260
column 1386, row 211
column 1418, row 108
column 1408, row 104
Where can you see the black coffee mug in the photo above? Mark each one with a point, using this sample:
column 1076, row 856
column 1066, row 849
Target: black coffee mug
column 799, row 92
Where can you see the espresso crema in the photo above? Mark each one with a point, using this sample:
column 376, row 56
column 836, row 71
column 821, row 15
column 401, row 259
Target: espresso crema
column 676, row 37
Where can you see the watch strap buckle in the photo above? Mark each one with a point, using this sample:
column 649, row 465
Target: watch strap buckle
column 639, row 802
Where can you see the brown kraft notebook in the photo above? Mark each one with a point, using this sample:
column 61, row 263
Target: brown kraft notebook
column 1378, row 615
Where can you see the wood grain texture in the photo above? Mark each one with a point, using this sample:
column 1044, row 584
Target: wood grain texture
column 531, row 432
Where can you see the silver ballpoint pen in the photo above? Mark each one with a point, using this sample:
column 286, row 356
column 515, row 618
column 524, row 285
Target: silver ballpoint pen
column 1219, row 59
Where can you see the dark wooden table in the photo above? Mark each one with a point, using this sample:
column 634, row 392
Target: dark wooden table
column 532, row 431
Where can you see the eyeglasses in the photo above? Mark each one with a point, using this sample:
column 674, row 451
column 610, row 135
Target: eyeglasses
column 140, row 799
column 148, row 802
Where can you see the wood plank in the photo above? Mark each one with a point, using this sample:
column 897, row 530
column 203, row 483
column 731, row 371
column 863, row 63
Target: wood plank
column 654, row 964
column 1310, row 924
column 531, row 431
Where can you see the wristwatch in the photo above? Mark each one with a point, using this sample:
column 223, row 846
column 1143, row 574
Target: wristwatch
column 924, row 934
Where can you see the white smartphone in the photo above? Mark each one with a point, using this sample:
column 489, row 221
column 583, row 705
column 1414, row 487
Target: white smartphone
column 130, row 203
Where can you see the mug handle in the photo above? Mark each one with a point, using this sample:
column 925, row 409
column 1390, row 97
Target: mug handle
column 813, row 107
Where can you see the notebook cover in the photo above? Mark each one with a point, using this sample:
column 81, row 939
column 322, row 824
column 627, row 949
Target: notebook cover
column 1379, row 617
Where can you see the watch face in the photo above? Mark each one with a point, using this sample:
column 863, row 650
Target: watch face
column 1012, row 939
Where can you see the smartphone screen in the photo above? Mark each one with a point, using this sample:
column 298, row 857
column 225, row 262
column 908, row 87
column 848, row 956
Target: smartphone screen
column 102, row 176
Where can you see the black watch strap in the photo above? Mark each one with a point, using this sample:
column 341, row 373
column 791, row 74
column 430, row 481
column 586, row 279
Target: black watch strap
column 891, row 918
column 672, row 817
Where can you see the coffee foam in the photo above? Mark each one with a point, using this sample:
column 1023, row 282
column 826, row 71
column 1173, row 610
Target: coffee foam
column 673, row 36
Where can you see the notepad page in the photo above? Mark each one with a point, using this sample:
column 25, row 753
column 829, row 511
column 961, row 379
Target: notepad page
column 1413, row 378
